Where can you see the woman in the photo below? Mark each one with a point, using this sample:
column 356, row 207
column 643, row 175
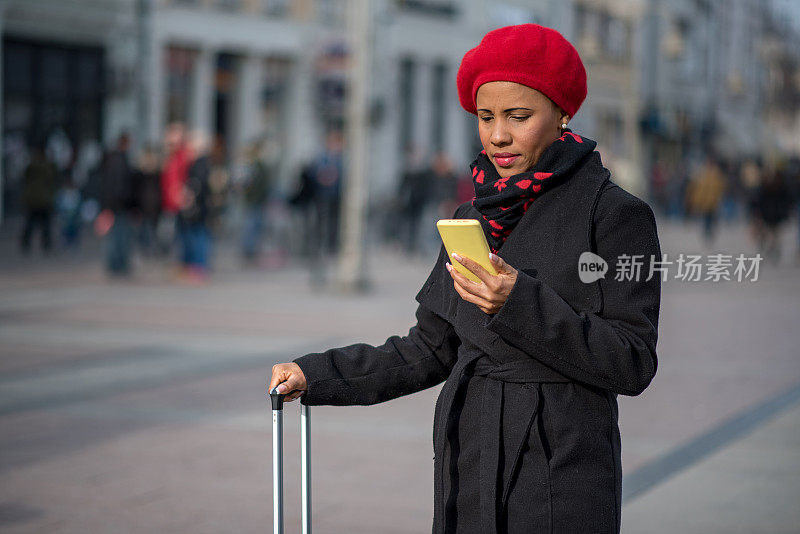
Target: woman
column 525, row 429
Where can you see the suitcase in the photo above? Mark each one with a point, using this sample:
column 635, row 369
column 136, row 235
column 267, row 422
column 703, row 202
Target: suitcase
column 277, row 463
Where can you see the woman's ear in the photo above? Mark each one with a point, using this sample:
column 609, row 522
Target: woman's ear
column 563, row 119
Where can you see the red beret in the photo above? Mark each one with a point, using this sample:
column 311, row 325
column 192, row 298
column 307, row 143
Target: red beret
column 528, row 54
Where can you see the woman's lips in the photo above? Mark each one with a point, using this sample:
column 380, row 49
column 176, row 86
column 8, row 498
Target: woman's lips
column 505, row 159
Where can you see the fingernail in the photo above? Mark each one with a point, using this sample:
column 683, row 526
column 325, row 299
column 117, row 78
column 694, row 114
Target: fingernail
column 281, row 389
column 456, row 257
column 493, row 256
column 449, row 267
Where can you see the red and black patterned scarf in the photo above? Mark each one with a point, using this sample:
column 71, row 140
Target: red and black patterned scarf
column 503, row 201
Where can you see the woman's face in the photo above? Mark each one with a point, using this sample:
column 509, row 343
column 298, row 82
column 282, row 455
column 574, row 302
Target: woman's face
column 515, row 124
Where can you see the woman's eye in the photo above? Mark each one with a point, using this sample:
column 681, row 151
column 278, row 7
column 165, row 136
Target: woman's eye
column 520, row 117
column 486, row 118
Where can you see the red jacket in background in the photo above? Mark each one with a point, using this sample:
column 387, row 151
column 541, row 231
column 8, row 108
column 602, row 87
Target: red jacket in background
column 173, row 178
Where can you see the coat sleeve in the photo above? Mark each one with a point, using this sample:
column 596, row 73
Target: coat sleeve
column 363, row 374
column 615, row 348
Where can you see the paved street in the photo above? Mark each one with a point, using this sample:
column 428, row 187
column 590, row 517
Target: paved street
column 138, row 406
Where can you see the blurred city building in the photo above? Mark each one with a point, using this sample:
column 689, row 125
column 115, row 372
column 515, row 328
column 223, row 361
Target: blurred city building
column 780, row 50
column 703, row 79
column 607, row 35
column 667, row 80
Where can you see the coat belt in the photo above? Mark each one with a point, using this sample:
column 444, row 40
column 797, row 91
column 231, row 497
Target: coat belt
column 527, row 371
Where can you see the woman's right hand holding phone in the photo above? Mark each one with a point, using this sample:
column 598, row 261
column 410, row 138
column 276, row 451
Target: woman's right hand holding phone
column 290, row 379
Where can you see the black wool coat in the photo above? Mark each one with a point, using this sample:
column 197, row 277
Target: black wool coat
column 525, row 431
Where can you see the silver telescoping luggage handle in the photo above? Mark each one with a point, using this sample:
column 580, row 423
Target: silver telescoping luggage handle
column 277, row 462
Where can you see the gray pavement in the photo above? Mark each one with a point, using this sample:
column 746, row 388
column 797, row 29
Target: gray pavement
column 751, row 486
column 139, row 406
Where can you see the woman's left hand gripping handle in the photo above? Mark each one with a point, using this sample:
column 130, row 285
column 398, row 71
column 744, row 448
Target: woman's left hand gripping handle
column 289, row 379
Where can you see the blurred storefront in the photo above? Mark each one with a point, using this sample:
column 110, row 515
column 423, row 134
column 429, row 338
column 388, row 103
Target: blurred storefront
column 81, row 72
column 244, row 70
column 57, row 88
column 237, row 70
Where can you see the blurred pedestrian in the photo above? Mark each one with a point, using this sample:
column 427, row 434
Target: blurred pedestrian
column 772, row 207
column 413, row 196
column 38, row 196
column 68, row 207
column 750, row 178
column 117, row 199
column 256, row 193
column 219, row 185
column 704, row 194
column 148, row 192
column 659, row 179
column 442, row 201
column 792, row 173
column 731, row 198
column 194, row 211
column 327, row 172
column 59, row 150
column 465, row 188
column 300, row 201
column 446, row 185
column 89, row 156
column 173, row 179
column 678, row 183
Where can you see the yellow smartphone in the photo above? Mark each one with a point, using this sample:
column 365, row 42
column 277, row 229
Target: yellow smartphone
column 465, row 237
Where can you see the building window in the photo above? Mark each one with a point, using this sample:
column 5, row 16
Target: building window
column 50, row 91
column 439, row 100
column 587, row 23
column 274, row 93
column 332, row 12
column 602, row 35
column 276, row 8
column 406, row 86
column 331, row 84
column 229, row 5
column 224, row 85
column 616, row 38
column 439, row 8
column 180, row 67
column 48, row 87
